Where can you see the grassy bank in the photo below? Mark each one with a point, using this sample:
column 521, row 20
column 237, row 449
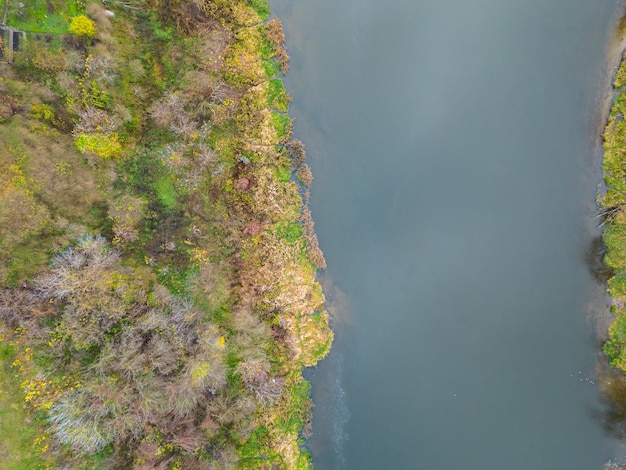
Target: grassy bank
column 613, row 206
column 157, row 258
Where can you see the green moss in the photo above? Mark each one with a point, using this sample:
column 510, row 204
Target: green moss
column 223, row 139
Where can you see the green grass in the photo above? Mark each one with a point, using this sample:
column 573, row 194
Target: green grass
column 322, row 349
column 26, row 260
column 281, row 123
column 221, row 316
column 17, row 428
column 223, row 138
column 266, row 49
column 283, row 173
column 617, row 285
column 277, row 96
column 298, row 407
column 261, row 7
column 272, row 69
column 160, row 32
column 166, row 191
column 43, row 17
column 614, row 347
column 98, row 218
column 145, row 174
column 292, row 232
column 614, row 236
column 255, row 449
column 176, row 280
column 620, row 76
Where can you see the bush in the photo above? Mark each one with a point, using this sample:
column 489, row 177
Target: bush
column 127, row 214
column 97, row 143
column 21, row 214
column 76, row 422
column 297, row 153
column 42, row 58
column 305, row 175
column 81, row 25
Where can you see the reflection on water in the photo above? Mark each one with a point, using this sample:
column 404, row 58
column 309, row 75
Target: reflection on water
column 337, row 302
column 452, row 210
column 613, row 388
column 620, row 29
column 329, row 395
column 594, row 257
column 612, row 385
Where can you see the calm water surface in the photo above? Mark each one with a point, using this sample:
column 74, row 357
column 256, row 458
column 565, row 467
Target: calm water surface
column 454, row 145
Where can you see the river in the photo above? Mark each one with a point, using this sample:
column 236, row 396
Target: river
column 454, row 145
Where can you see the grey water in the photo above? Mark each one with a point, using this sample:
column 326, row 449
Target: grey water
column 455, row 148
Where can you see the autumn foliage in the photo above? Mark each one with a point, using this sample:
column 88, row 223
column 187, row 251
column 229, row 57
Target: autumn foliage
column 175, row 301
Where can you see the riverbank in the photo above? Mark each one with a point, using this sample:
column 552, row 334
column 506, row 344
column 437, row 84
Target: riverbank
column 613, row 206
column 159, row 296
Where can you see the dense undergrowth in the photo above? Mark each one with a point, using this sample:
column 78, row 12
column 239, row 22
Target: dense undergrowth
column 157, row 256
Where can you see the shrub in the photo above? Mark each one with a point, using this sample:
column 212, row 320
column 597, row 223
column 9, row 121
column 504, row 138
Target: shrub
column 100, row 144
column 165, row 110
column 127, row 214
column 43, row 112
column 81, row 25
column 297, row 152
column 305, row 175
column 46, row 60
column 95, row 120
column 21, row 214
column 77, row 422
